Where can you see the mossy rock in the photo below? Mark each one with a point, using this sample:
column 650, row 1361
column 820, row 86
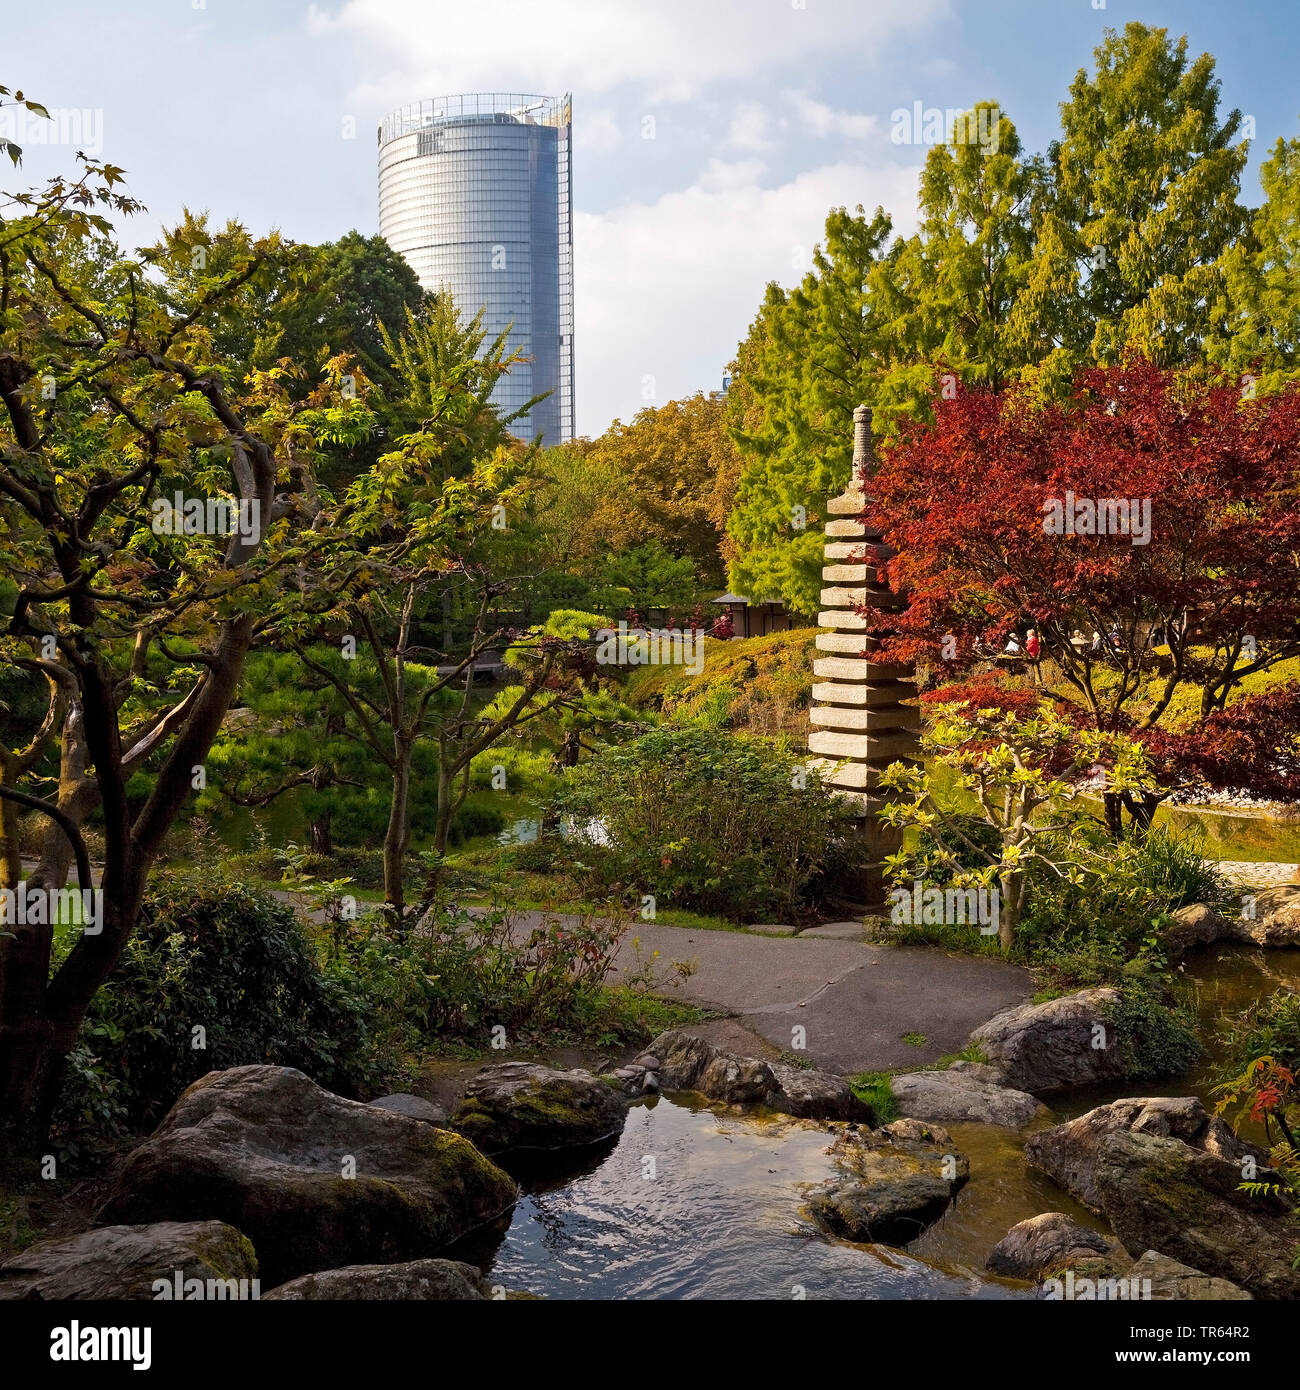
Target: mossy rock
column 521, row 1105
column 1167, row 1176
column 315, row 1181
column 127, row 1262
column 888, row 1189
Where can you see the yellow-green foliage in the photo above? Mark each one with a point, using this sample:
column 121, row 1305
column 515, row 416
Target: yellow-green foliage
column 1185, row 706
column 762, row 684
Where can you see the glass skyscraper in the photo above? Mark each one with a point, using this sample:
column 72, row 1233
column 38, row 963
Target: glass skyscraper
column 475, row 192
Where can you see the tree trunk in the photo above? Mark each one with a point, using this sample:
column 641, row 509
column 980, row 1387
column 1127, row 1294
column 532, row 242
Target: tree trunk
column 11, row 863
column 322, row 841
column 1012, row 890
column 40, row 1017
column 397, row 837
column 1142, row 810
column 29, row 1078
column 442, row 825
column 31, row 1073
column 40, row 1025
column 77, row 798
column 570, row 748
column 1113, row 806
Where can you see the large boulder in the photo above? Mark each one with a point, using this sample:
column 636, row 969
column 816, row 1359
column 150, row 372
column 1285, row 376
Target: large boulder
column 130, row 1262
column 1069, row 1153
column 440, row 1280
column 1276, row 920
column 1170, row 1280
column 314, row 1180
column 688, row 1063
column 1048, row 1243
column 959, row 1098
column 520, row 1105
column 1197, row 924
column 888, row 1187
column 1062, row 1044
column 1166, row 1177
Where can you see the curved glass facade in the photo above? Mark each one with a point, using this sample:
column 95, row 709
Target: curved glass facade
column 475, row 192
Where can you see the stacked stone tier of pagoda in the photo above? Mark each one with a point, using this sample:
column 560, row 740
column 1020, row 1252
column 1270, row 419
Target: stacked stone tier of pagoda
column 860, row 723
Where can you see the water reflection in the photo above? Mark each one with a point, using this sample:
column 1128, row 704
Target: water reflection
column 695, row 1202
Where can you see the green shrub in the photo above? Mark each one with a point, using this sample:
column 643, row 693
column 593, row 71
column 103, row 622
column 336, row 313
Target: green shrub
column 460, row 975
column 230, row 961
column 722, row 823
column 1172, row 867
column 365, row 867
column 526, row 769
column 1094, row 932
column 759, row 684
column 539, row 856
column 1155, row 1031
column 474, row 819
column 1268, row 1027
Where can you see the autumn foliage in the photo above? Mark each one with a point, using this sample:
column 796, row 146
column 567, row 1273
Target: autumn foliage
column 1212, row 597
column 1253, row 746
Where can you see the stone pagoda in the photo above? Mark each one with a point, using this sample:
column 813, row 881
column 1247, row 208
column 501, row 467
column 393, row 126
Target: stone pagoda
column 859, row 721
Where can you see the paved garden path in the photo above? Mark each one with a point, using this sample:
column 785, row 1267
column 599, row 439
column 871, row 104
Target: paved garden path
column 1246, row 873
column 855, row 1001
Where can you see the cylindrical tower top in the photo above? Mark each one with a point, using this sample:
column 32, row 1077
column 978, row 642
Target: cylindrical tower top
column 501, row 108
column 475, row 191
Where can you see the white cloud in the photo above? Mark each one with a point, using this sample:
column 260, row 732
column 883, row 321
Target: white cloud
column 665, row 290
column 822, row 120
column 598, row 131
column 672, row 49
column 749, row 127
column 721, row 176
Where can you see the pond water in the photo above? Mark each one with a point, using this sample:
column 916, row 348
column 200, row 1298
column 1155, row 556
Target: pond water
column 1225, row 979
column 697, row 1201
column 693, row 1201
column 524, row 830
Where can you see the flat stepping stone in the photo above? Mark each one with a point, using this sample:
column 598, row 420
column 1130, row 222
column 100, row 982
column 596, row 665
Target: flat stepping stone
column 838, row 931
column 954, row 1097
column 435, row 1280
column 522, row 1105
column 771, row 929
column 413, row 1107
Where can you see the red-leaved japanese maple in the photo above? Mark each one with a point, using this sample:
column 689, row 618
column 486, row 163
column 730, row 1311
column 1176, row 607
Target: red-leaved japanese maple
column 1213, row 594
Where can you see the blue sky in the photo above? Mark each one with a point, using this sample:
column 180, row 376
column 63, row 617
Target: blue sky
column 761, row 115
